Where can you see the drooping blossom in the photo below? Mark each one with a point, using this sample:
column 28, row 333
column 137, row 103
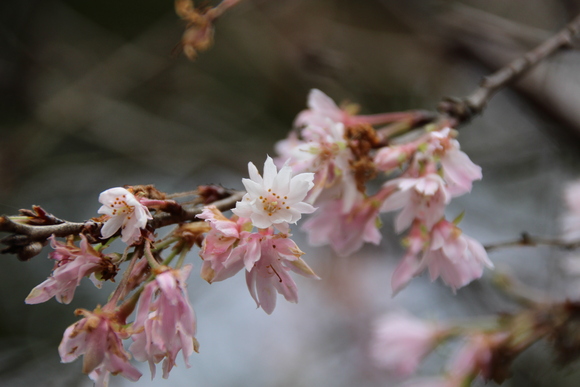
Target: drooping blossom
column 165, row 323
column 266, row 256
column 428, row 151
column 125, row 212
column 447, row 253
column 98, row 337
column 459, row 172
column 422, row 198
column 269, row 274
column 323, row 151
column 455, row 257
column 400, row 342
column 72, row 264
column 410, row 265
column 275, row 199
column 346, row 232
column 571, row 217
column 219, row 243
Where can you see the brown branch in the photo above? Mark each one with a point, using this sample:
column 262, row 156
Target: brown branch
column 527, row 240
column 462, row 110
column 27, row 240
column 189, row 215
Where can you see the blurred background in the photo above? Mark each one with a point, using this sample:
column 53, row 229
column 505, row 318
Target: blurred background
column 93, row 94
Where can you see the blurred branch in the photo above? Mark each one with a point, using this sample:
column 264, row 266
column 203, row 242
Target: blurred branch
column 528, row 240
column 466, row 108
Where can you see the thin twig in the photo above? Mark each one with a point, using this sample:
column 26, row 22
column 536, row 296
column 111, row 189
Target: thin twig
column 528, row 240
column 23, row 236
column 462, row 110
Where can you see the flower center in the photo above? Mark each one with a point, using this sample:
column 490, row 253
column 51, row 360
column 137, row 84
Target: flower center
column 273, row 202
column 120, row 207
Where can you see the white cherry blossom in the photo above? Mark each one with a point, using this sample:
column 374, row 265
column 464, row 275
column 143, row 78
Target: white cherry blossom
column 276, row 198
column 125, row 212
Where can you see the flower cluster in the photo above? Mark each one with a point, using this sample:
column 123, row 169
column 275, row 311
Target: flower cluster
column 401, row 342
column 98, row 337
column 165, row 325
column 344, row 152
column 165, row 322
column 270, row 204
column 328, row 164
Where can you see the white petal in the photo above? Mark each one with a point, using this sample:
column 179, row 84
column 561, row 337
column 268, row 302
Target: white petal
column 254, row 174
column 270, row 173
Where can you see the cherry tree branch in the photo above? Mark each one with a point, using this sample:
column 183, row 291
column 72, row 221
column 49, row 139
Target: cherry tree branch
column 528, row 240
column 27, row 240
column 464, row 109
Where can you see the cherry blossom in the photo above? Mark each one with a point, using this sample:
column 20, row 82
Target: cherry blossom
column 447, row 253
column 421, row 198
column 455, row 257
column 277, row 198
column 325, row 153
column 458, row 171
column 125, row 212
column 165, row 322
column 400, row 342
column 219, row 243
column 321, row 108
column 266, row 256
column 345, row 232
column 390, row 158
column 98, row 338
column 269, row 273
column 410, row 266
column 72, row 264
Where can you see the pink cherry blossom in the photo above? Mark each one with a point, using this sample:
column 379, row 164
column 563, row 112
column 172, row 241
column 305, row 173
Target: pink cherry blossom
column 277, row 198
column 325, row 153
column 321, row 108
column 410, row 266
column 269, row 275
column 400, row 342
column 446, row 252
column 390, row 158
column 422, row 198
column 453, row 256
column 459, row 171
column 98, row 338
column 266, row 256
column 125, row 213
column 345, row 232
column 165, row 323
column 72, row 264
column 219, row 243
